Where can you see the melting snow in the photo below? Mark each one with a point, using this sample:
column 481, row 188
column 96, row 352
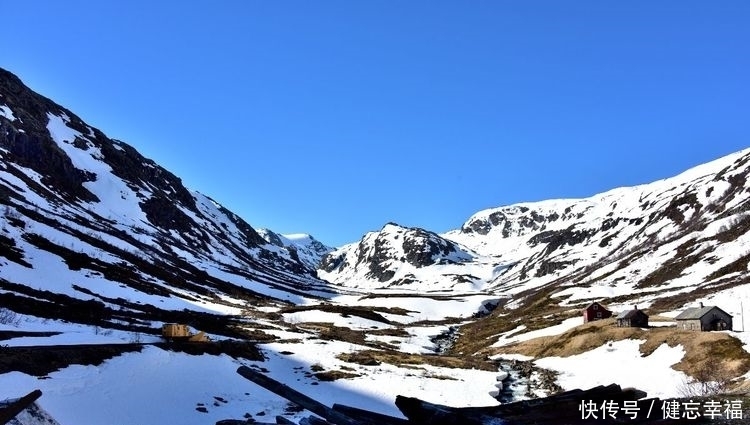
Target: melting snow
column 621, row 362
column 6, row 112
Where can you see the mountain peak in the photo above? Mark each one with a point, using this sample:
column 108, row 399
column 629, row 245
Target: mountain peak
column 391, row 257
column 302, row 246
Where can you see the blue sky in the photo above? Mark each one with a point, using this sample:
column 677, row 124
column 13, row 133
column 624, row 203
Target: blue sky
column 335, row 117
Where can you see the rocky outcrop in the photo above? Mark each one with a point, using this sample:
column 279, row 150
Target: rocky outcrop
column 512, row 221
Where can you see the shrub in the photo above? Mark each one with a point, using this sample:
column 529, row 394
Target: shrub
column 710, row 380
column 9, row 317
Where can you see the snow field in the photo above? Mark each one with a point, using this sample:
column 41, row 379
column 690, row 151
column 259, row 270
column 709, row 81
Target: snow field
column 621, row 362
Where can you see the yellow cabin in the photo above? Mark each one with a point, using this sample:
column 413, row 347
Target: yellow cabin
column 178, row 331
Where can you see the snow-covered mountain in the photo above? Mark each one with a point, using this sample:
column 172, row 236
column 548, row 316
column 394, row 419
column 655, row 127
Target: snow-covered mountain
column 82, row 214
column 407, row 258
column 308, row 250
column 657, row 241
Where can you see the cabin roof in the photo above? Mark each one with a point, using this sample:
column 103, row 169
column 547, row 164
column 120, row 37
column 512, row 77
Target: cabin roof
column 595, row 302
column 698, row 312
column 630, row 314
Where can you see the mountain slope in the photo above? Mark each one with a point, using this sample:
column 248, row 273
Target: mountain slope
column 80, row 212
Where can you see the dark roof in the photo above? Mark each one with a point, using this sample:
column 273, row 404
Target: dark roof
column 587, row 307
column 630, row 314
column 698, row 312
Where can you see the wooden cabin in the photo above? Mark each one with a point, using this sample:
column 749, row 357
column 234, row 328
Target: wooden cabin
column 181, row 332
column 632, row 319
column 704, row 318
column 595, row 311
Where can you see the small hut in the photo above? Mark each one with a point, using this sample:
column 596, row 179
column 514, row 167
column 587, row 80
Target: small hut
column 595, row 311
column 632, row 319
column 704, row 318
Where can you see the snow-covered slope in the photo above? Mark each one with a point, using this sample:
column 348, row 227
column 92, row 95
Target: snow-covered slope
column 89, row 218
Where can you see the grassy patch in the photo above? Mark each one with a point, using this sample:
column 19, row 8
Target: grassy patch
column 333, row 375
column 40, row 361
column 538, row 311
column 375, row 357
column 366, row 312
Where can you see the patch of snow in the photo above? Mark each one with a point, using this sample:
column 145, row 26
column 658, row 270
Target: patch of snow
column 549, row 331
column 621, row 363
column 353, row 322
column 6, row 112
column 511, row 356
column 116, row 198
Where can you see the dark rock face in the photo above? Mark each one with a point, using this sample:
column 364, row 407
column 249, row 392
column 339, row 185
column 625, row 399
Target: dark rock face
column 48, row 160
column 319, row 247
column 29, row 144
column 137, row 171
column 513, row 220
column 558, row 238
column 273, row 238
column 423, row 248
column 378, row 254
column 303, row 249
column 378, row 260
column 333, row 261
column 549, row 267
column 163, row 213
column 481, row 227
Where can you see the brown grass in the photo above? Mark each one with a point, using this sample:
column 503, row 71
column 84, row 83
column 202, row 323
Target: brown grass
column 374, row 357
column 537, row 312
column 330, row 332
column 333, row 375
column 474, row 337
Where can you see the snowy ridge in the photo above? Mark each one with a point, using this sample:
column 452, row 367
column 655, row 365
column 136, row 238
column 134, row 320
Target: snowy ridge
column 404, row 258
column 307, row 249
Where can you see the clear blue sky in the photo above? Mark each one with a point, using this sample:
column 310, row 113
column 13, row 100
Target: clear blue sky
column 335, row 117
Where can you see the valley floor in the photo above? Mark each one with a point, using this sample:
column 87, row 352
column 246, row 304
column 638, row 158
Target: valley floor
column 359, row 351
column 125, row 386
